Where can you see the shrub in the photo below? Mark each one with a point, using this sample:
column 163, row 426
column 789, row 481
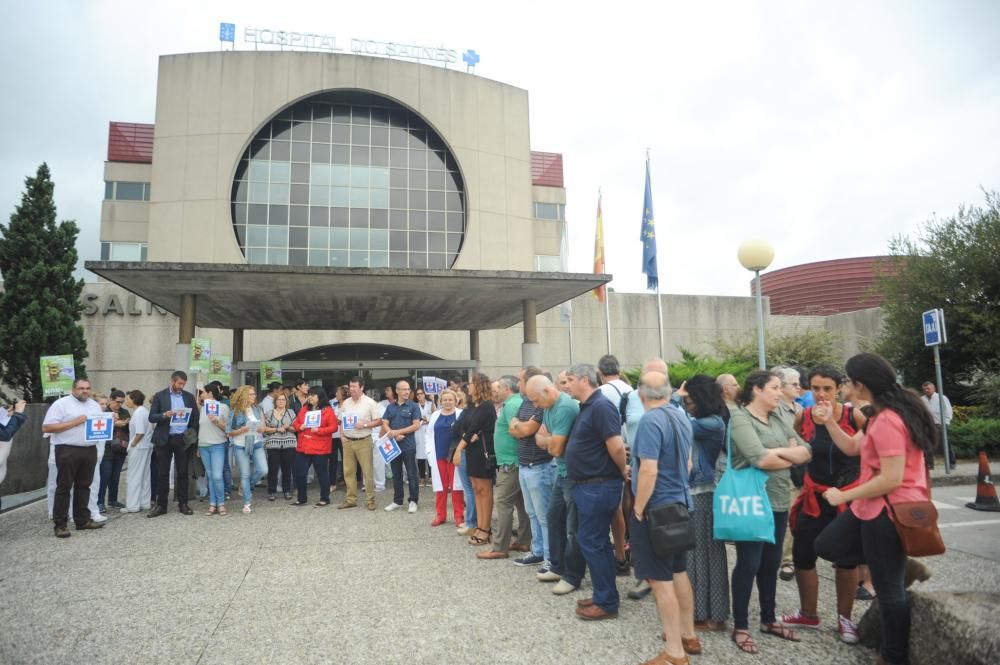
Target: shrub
column 692, row 363
column 976, row 434
column 985, row 389
column 962, row 414
column 806, row 348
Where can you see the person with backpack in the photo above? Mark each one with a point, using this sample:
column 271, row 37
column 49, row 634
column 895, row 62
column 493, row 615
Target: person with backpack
column 617, row 391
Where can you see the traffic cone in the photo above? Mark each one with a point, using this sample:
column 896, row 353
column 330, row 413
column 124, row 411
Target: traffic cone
column 986, row 491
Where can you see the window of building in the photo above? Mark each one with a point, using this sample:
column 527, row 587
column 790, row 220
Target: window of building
column 550, row 211
column 126, row 191
column 123, row 251
column 548, row 263
column 349, row 179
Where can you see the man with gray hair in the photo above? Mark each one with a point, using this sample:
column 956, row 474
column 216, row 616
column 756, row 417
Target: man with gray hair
column 595, row 462
column 730, row 388
column 507, row 491
column 659, row 478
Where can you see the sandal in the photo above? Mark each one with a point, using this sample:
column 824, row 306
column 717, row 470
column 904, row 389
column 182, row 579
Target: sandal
column 779, row 630
column 476, row 540
column 222, row 511
column 746, row 645
column 211, row 510
column 787, row 572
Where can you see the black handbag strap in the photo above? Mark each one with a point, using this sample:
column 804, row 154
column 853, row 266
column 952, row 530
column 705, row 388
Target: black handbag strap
column 681, row 466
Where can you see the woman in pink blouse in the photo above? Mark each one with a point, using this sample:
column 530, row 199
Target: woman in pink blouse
column 891, row 446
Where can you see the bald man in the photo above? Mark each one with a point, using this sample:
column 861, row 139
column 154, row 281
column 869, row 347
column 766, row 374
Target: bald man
column 566, row 564
column 633, row 416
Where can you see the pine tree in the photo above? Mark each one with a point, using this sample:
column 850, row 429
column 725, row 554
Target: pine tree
column 40, row 304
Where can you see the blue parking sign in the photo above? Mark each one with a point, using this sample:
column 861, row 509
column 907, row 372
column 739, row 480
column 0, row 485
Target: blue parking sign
column 934, row 333
column 227, row 32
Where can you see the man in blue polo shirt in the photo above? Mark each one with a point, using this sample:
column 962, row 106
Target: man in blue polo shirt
column 401, row 419
column 595, row 462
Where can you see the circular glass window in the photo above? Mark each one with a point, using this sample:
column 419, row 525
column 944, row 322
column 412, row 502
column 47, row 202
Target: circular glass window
column 348, row 179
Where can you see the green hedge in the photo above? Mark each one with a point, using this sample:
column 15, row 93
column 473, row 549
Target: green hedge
column 975, row 434
column 693, row 363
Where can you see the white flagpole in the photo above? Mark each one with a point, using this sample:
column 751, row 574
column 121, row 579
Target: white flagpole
column 607, row 314
column 659, row 304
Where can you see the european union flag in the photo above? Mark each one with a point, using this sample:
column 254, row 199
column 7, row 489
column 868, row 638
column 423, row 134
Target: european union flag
column 648, row 236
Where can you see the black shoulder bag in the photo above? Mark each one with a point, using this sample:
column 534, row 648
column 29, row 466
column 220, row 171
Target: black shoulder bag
column 670, row 529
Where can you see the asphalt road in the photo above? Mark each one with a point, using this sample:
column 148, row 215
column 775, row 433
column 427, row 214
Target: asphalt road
column 966, row 530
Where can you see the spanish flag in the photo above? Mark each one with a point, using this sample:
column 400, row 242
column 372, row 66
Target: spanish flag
column 599, row 292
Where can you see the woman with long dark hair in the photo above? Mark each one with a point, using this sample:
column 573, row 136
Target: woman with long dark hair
column 475, row 439
column 701, row 397
column 315, row 444
column 761, row 438
column 891, row 445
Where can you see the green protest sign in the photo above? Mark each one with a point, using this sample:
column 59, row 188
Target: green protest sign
column 58, row 375
column 200, row 355
column 220, row 369
column 269, row 371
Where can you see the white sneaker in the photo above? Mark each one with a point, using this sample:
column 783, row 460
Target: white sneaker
column 246, row 508
column 848, row 631
column 98, row 518
column 413, row 507
column 125, row 511
column 392, row 506
column 563, row 587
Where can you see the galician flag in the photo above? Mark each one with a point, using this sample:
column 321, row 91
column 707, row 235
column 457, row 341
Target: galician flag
column 600, row 291
column 648, row 236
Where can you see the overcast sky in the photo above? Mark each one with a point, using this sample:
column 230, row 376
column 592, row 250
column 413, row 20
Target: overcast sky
column 826, row 128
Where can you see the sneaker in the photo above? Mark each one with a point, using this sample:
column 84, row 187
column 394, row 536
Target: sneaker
column 545, row 573
column 126, row 511
column 848, row 631
column 799, row 620
column 392, row 506
column 412, row 508
column 246, row 507
column 640, row 590
column 463, row 530
column 563, row 587
column 101, row 508
column 530, row 560
column 98, row 518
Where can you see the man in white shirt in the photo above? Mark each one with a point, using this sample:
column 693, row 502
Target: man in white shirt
column 267, row 404
column 941, row 412
column 359, row 414
column 615, row 390
column 76, row 457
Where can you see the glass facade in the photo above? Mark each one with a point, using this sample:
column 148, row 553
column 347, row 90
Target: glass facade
column 348, row 179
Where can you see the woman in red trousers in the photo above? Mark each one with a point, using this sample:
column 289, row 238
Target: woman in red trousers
column 439, row 439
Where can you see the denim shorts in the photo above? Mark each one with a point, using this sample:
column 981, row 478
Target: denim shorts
column 649, row 566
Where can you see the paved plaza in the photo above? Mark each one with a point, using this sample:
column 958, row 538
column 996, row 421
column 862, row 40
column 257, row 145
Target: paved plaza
column 316, row 585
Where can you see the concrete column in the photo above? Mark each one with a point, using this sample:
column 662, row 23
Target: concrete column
column 237, row 345
column 188, row 308
column 474, row 346
column 531, row 352
column 234, row 379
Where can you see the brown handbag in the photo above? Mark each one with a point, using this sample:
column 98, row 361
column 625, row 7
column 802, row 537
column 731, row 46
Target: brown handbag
column 916, row 524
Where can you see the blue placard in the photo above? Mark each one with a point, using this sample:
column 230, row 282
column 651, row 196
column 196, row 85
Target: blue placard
column 227, row 32
column 99, row 428
column 388, row 448
column 934, row 327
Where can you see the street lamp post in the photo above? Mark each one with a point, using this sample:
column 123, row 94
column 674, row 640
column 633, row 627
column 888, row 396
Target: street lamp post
column 756, row 255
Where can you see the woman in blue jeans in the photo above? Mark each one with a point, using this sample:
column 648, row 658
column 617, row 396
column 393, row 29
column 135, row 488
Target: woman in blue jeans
column 212, row 445
column 247, row 435
column 761, row 438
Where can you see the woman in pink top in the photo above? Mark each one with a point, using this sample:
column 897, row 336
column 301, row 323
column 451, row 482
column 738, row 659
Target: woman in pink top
column 891, row 446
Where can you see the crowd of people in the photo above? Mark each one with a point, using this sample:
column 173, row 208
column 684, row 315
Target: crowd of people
column 584, row 460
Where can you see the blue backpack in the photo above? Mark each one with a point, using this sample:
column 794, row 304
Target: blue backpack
column 741, row 511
